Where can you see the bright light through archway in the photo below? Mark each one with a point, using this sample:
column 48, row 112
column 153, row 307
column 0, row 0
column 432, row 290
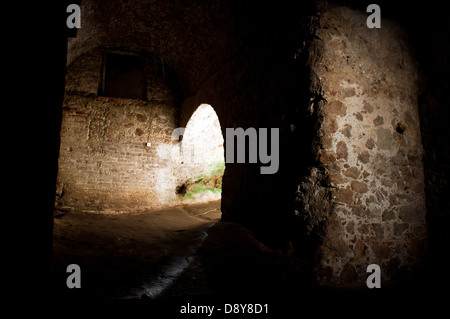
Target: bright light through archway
column 202, row 163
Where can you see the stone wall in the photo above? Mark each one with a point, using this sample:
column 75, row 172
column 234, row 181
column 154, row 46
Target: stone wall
column 105, row 163
column 349, row 191
column 264, row 86
column 369, row 147
column 194, row 38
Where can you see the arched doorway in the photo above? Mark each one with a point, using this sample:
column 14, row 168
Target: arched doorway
column 201, row 163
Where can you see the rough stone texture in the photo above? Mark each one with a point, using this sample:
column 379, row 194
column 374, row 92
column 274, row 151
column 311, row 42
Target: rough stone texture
column 349, row 191
column 105, row 164
column 196, row 32
column 370, row 85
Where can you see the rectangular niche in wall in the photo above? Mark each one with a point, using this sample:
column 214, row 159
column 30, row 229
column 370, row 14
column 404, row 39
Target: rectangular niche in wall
column 123, row 76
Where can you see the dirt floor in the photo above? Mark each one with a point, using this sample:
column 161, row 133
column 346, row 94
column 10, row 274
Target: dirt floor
column 186, row 254
column 182, row 251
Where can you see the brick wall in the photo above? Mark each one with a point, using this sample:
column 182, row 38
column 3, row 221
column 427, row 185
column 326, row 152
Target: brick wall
column 105, row 164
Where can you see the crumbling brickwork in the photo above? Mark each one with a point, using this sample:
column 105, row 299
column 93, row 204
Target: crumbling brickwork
column 105, row 163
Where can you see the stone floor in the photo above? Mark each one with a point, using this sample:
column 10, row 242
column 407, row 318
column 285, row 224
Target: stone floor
column 182, row 251
column 186, row 253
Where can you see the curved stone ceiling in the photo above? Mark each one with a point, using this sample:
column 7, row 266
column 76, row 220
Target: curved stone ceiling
column 193, row 37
